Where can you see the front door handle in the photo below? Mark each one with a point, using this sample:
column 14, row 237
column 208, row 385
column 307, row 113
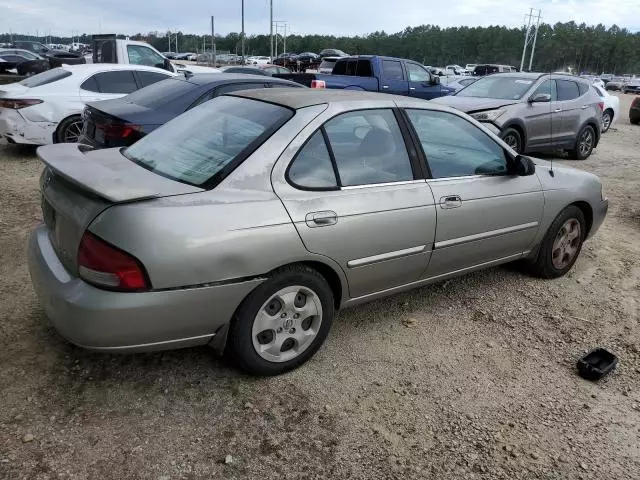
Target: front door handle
column 450, row 201
column 385, row 86
column 584, row 107
column 321, row 219
column 412, row 88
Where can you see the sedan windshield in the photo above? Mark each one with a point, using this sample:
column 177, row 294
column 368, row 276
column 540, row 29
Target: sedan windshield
column 203, row 145
column 502, row 88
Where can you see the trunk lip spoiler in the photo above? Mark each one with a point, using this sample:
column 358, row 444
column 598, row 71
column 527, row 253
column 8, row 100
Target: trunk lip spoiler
column 108, row 174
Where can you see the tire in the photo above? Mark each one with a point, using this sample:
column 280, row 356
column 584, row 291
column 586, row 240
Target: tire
column 555, row 247
column 585, row 142
column 634, row 121
column 68, row 129
column 264, row 308
column 512, row 137
column 607, row 118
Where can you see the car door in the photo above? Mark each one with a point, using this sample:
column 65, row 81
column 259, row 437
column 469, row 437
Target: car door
column 393, row 79
column 420, row 83
column 543, row 120
column 485, row 214
column 354, row 194
column 572, row 106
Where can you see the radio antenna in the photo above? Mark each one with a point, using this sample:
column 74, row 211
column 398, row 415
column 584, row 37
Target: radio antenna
column 551, row 115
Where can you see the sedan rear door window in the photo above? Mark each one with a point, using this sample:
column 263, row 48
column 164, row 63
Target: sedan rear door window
column 118, row 81
column 312, row 168
column 368, row 148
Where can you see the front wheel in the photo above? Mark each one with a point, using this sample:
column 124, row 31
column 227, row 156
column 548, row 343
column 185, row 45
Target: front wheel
column 561, row 244
column 584, row 143
column 282, row 323
column 513, row 138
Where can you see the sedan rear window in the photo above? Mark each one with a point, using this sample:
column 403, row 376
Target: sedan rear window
column 44, row 78
column 161, row 93
column 202, row 146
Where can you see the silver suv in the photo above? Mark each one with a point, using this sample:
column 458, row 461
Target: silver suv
column 535, row 112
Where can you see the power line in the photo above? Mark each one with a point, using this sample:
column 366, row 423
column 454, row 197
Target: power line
column 530, row 36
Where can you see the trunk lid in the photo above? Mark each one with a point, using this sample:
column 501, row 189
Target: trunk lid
column 77, row 185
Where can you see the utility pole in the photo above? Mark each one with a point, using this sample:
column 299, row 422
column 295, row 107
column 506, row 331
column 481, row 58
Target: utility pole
column 242, row 38
column 284, row 48
column 271, row 24
column 530, row 37
column 535, row 37
column 213, row 40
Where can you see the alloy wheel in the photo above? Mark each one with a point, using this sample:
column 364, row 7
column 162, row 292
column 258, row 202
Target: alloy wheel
column 286, row 324
column 606, row 121
column 566, row 244
column 72, row 132
column 585, row 144
column 512, row 141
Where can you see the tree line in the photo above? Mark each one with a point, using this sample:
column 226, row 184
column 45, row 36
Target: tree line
column 583, row 48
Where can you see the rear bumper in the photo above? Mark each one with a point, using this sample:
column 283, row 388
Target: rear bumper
column 20, row 130
column 634, row 114
column 127, row 322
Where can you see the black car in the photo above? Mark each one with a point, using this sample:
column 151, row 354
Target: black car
column 24, row 61
column 332, row 52
column 56, row 57
column 122, row 121
column 287, row 60
column 309, row 60
column 634, row 111
column 266, row 70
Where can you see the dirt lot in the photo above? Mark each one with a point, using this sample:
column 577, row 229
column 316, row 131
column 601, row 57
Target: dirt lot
column 471, row 378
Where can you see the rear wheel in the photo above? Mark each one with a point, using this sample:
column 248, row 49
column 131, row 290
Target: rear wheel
column 69, row 130
column 607, row 117
column 585, row 142
column 282, row 323
column 561, row 245
column 512, row 137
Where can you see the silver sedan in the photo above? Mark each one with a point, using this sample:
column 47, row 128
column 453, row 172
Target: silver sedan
column 248, row 221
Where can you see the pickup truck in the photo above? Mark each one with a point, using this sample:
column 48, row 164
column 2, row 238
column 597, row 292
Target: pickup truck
column 377, row 74
column 109, row 49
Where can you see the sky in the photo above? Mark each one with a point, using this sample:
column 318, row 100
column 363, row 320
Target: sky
column 337, row 17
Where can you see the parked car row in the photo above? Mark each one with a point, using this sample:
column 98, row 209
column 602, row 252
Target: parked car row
column 317, row 199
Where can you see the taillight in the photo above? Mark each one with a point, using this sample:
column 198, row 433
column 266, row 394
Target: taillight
column 109, row 267
column 119, row 130
column 601, row 105
column 318, row 84
column 18, row 103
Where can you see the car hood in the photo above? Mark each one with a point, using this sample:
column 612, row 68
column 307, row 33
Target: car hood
column 473, row 104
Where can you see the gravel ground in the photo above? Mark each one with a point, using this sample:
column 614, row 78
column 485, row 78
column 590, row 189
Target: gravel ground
column 470, row 378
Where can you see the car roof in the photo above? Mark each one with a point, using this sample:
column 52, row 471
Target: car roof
column 306, row 97
column 215, row 78
column 88, row 68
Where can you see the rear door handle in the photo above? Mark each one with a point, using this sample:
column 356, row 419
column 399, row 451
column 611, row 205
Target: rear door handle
column 557, row 110
column 385, row 86
column 412, row 88
column 584, row 107
column 321, row 219
column 450, row 201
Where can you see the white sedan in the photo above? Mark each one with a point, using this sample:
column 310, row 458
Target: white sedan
column 611, row 110
column 47, row 108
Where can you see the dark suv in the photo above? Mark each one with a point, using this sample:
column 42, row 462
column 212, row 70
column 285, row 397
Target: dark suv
column 535, row 112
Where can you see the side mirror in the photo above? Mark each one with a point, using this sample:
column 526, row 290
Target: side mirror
column 523, row 166
column 540, row 98
column 435, row 80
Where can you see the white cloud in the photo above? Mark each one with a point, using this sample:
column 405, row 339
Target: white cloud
column 326, row 17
